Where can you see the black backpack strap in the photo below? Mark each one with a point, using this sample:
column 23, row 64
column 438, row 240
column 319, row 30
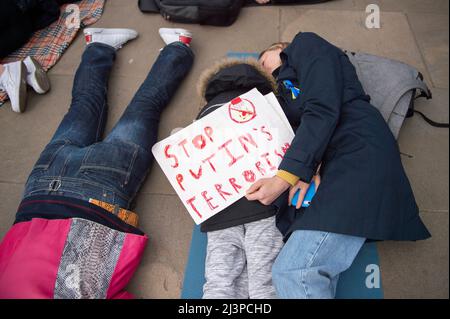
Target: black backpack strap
column 426, row 93
column 430, row 121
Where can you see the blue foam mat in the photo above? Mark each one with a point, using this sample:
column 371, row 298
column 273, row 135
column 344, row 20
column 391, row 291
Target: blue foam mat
column 351, row 285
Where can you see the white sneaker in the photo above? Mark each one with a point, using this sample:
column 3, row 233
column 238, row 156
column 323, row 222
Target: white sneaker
column 36, row 76
column 13, row 81
column 171, row 35
column 113, row 37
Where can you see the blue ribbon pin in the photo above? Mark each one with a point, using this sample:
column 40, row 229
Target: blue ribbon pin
column 294, row 90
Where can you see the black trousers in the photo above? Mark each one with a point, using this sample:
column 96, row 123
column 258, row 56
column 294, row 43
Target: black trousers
column 20, row 18
column 15, row 27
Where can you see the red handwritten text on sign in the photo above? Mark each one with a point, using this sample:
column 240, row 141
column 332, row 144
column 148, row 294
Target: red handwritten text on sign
column 212, row 162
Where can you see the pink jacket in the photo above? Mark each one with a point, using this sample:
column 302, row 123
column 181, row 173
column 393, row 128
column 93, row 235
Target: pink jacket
column 67, row 258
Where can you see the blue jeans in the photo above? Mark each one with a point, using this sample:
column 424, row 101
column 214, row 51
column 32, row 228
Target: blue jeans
column 310, row 262
column 78, row 162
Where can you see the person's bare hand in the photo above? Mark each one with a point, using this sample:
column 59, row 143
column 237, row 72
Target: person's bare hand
column 303, row 187
column 262, row 1
column 267, row 190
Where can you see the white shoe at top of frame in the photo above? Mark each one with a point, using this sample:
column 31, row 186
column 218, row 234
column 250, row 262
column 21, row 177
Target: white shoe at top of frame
column 112, row 37
column 170, row 35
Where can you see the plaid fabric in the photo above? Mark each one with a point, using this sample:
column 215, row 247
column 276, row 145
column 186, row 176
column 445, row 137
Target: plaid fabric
column 47, row 45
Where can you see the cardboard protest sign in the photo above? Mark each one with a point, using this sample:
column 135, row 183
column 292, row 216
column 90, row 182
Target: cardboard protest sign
column 212, row 162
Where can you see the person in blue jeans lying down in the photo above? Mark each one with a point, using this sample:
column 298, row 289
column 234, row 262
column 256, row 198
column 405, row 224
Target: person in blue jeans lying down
column 74, row 235
column 364, row 193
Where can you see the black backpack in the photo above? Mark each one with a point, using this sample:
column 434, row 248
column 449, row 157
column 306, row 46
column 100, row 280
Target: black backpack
column 211, row 12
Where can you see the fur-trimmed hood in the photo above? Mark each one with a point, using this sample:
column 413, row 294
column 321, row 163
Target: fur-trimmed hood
column 234, row 75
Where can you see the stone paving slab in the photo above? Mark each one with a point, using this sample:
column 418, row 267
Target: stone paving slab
column 417, row 269
column 428, row 169
column 433, row 41
column 10, row 196
column 347, row 30
column 169, row 227
column 23, row 136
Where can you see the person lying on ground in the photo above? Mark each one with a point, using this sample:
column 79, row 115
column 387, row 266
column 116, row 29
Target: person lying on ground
column 243, row 240
column 74, row 235
column 364, row 192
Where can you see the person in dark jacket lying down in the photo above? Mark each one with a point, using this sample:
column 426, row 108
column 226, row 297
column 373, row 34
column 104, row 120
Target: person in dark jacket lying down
column 364, row 193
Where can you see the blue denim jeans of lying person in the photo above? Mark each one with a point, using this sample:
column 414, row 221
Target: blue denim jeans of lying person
column 78, row 162
column 310, row 262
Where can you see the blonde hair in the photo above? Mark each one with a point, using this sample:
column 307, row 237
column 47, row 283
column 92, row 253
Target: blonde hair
column 273, row 47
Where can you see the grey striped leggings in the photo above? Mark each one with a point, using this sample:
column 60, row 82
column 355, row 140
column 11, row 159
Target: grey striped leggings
column 239, row 261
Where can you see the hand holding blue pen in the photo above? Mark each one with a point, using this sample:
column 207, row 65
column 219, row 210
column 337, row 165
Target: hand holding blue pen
column 307, row 195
